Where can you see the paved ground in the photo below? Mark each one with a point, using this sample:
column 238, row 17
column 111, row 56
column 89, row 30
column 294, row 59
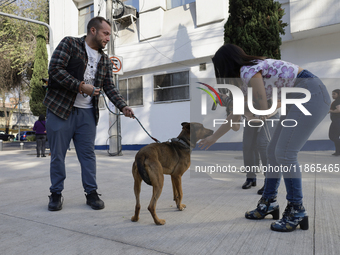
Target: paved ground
column 213, row 222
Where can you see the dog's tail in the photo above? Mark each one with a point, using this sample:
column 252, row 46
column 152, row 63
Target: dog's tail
column 142, row 172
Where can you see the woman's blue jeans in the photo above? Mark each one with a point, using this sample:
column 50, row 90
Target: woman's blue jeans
column 287, row 141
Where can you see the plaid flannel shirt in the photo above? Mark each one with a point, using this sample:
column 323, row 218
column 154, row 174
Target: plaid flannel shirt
column 60, row 101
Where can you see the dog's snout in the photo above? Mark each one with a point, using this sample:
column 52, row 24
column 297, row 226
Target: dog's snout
column 198, row 131
column 208, row 132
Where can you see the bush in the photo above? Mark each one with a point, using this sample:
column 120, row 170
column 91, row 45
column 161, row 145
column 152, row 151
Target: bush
column 31, row 138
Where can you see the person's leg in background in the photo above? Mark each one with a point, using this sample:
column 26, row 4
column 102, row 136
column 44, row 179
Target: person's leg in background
column 39, row 144
column 334, row 133
column 43, row 145
column 250, row 155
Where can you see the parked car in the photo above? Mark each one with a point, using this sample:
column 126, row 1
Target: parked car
column 6, row 137
column 24, row 135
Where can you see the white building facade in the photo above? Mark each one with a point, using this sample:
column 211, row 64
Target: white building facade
column 171, row 44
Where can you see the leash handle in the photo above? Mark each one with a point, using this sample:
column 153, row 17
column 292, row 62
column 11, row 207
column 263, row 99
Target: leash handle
column 117, row 114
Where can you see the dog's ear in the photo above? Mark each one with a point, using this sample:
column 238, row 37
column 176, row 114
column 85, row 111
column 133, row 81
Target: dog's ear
column 186, row 125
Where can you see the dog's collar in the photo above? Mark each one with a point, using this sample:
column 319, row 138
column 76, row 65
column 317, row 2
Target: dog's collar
column 182, row 142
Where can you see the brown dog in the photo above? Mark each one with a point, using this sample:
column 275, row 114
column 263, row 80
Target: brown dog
column 173, row 158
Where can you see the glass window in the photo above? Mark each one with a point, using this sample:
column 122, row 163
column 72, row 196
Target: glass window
column 85, row 15
column 134, row 3
column 171, row 87
column 132, row 90
column 2, row 114
column 175, row 3
column 123, row 88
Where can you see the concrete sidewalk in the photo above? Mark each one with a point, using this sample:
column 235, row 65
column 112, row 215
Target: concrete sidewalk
column 213, row 222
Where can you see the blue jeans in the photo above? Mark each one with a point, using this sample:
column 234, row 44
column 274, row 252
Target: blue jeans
column 81, row 127
column 255, row 142
column 288, row 141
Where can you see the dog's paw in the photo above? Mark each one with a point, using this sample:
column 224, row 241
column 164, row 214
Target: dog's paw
column 160, row 222
column 134, row 218
column 181, row 207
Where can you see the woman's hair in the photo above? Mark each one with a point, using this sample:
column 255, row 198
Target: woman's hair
column 337, row 91
column 337, row 100
column 229, row 59
column 42, row 117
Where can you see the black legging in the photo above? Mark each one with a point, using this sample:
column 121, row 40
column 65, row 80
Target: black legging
column 334, row 133
column 41, row 141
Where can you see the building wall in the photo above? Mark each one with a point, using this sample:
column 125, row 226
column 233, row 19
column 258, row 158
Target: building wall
column 163, row 41
column 180, row 44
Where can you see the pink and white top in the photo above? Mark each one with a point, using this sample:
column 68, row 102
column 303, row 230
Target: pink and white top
column 275, row 73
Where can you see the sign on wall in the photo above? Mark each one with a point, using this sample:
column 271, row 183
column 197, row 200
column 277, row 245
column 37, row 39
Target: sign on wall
column 117, row 64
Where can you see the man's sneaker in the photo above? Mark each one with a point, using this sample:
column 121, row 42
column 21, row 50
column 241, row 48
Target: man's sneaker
column 93, row 200
column 56, row 202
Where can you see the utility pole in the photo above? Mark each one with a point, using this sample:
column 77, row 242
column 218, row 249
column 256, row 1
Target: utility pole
column 19, row 106
column 115, row 130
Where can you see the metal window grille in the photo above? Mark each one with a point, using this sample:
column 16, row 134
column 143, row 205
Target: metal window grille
column 171, row 87
column 132, row 90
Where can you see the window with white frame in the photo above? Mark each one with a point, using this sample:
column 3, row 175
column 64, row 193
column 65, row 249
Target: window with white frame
column 175, row 3
column 85, row 15
column 132, row 90
column 171, row 87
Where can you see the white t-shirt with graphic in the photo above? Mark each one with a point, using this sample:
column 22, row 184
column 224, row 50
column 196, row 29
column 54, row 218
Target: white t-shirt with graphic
column 89, row 77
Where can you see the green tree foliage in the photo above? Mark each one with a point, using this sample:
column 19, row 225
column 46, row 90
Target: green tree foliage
column 39, row 71
column 7, row 74
column 255, row 26
column 17, row 37
column 17, row 48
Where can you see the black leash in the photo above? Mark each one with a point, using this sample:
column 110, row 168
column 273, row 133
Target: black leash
column 157, row 141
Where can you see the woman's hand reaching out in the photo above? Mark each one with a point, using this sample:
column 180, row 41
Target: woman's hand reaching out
column 207, row 142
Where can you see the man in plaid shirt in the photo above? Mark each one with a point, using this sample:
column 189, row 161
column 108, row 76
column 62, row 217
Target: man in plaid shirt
column 78, row 70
